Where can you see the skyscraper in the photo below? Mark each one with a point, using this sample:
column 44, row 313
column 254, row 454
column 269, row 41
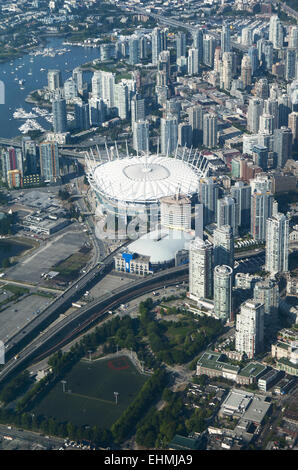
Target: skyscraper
column 210, row 130
column 77, row 76
column 246, row 36
column 290, row 69
column 241, row 193
column 225, row 38
column 271, row 107
column 267, row 123
column 13, row 160
column 293, row 37
column 276, row 34
column 282, row 145
column 293, row 125
column 226, row 214
column 49, row 161
column 260, row 154
column 200, row 269
column 284, row 109
column 30, row 153
column 223, row 292
column 70, row 89
column 227, row 69
column 180, row 44
column 193, row 61
column 59, row 115
column 250, row 328
column 208, row 196
column 262, row 88
column 169, row 135
column 253, row 55
column 121, row 99
column 195, row 118
column 175, row 212
column 261, row 209
column 184, row 135
column 268, row 55
column 267, row 293
column 96, row 85
column 54, row 79
column 156, row 45
column 108, row 88
column 82, row 118
column 140, row 131
column 137, row 107
column 198, row 42
column 277, row 244
column 246, row 71
column 97, row 111
column 223, row 246
column 254, row 111
column 133, row 50
column 209, row 45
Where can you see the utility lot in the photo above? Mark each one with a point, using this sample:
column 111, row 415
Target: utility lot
column 49, row 254
column 16, row 316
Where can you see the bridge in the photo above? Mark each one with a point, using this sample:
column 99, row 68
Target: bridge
column 10, row 142
column 179, row 24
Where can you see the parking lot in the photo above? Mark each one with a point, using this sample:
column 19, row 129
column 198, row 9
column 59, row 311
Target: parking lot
column 50, row 253
column 17, row 315
column 109, row 283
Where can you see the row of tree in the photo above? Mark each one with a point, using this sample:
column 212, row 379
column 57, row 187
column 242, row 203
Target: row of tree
column 38, row 423
column 149, row 393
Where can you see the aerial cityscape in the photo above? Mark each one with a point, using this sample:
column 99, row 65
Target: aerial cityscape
column 149, row 227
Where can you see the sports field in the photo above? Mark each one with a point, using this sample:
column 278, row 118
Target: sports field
column 89, row 397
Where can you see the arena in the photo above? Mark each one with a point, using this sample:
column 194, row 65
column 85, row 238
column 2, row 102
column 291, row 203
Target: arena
column 133, row 184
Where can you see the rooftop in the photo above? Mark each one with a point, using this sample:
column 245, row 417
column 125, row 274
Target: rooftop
column 253, row 369
column 257, row 410
column 237, row 401
column 161, row 245
column 181, row 442
column 212, row 360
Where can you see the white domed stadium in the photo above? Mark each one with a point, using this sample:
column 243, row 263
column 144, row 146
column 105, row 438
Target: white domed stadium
column 135, row 183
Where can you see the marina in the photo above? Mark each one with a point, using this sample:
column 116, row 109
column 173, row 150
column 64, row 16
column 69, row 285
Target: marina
column 28, row 73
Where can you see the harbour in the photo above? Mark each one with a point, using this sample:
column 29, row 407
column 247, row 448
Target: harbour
column 26, row 74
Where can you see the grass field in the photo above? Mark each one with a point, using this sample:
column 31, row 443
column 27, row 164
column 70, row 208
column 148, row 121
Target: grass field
column 70, row 267
column 92, row 386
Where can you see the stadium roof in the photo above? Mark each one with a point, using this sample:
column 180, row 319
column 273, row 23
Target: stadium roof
column 161, row 245
column 145, row 178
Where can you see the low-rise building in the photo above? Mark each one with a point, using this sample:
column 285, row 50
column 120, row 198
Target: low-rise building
column 132, row 263
column 269, row 379
column 248, row 407
column 212, row 364
column 287, row 366
column 283, row 386
column 251, row 373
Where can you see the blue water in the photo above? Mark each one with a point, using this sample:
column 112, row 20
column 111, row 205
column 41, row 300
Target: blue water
column 15, row 97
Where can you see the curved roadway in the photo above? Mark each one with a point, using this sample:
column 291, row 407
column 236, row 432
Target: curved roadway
column 66, row 329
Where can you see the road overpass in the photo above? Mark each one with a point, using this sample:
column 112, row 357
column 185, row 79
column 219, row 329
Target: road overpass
column 10, row 142
column 58, row 306
column 82, row 319
column 179, row 24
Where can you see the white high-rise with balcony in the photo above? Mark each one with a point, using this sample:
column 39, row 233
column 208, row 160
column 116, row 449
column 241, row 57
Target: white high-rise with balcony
column 200, row 269
column 223, row 292
column 250, row 328
column 277, row 244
